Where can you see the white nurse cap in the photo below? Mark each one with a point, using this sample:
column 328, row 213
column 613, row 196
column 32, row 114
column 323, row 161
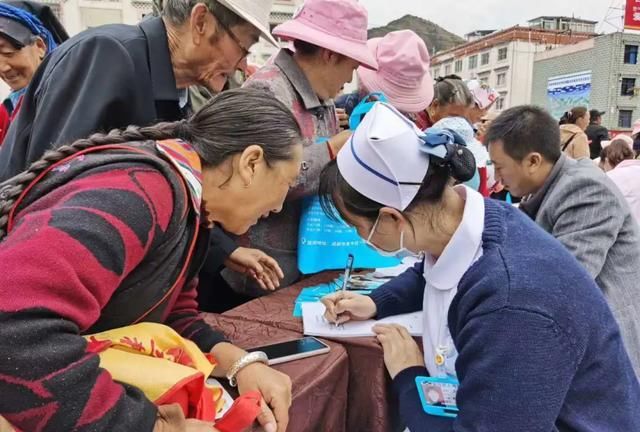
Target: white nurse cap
column 386, row 159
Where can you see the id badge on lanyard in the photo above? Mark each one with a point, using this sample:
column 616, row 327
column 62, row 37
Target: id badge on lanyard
column 438, row 395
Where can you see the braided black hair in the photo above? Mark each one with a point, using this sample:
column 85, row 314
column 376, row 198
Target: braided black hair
column 225, row 126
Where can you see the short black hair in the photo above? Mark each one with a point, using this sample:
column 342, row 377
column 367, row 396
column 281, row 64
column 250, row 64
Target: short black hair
column 305, row 48
column 526, row 129
column 595, row 114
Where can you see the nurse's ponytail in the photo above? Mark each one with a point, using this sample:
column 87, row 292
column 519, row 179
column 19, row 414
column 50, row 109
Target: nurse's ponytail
column 462, row 165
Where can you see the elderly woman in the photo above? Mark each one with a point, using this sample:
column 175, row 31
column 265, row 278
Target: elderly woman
column 24, row 42
column 110, row 231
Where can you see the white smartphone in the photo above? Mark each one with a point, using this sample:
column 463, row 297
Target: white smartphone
column 293, row 350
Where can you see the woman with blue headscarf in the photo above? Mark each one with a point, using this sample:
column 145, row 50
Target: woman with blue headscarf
column 24, row 42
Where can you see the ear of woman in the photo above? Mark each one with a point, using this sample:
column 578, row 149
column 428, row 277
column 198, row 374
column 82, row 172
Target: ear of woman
column 251, row 160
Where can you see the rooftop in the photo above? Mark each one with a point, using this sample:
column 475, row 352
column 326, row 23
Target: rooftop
column 563, row 18
column 515, row 33
column 479, row 33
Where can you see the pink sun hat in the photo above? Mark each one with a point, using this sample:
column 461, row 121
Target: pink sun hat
column 403, row 71
column 337, row 25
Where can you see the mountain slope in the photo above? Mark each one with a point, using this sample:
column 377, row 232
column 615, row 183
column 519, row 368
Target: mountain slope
column 436, row 38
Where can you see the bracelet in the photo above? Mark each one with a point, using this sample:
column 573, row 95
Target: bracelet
column 244, row 361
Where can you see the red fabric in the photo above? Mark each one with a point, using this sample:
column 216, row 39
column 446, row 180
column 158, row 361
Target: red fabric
column 194, row 398
column 242, row 413
column 5, row 120
column 423, row 121
column 484, row 186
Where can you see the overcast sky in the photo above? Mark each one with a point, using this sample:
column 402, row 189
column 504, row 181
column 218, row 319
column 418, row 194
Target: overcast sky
column 463, row 16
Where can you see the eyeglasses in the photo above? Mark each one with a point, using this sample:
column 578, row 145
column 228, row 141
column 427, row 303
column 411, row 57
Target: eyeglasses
column 245, row 50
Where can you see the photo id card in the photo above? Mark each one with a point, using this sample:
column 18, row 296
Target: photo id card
column 438, row 395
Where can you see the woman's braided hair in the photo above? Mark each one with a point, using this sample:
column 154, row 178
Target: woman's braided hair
column 226, row 125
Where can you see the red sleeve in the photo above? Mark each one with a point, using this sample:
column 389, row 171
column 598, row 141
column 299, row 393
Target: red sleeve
column 59, row 266
column 185, row 319
column 4, row 122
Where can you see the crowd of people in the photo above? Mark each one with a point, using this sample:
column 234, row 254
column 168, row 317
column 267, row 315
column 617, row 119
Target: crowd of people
column 138, row 187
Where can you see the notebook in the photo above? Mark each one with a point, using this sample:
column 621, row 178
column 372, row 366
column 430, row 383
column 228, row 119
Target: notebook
column 316, row 325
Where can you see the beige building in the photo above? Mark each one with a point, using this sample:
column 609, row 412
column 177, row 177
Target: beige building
column 504, row 59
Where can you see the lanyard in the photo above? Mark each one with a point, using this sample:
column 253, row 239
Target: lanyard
column 443, row 344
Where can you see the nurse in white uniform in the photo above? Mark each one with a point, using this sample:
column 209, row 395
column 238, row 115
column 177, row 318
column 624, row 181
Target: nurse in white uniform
column 507, row 345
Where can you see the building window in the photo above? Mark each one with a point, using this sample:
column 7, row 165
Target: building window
column 624, row 118
column 447, row 69
column 501, row 79
column 500, row 102
column 459, row 66
column 436, row 73
column 627, row 87
column 631, row 54
column 473, row 62
column 484, row 60
column 502, row 54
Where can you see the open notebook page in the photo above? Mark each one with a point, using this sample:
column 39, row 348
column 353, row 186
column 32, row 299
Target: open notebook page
column 316, row 325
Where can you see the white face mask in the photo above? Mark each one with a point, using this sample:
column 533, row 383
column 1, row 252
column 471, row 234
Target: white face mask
column 400, row 253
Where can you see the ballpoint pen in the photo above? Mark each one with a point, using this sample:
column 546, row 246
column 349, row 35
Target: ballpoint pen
column 347, row 275
column 347, row 272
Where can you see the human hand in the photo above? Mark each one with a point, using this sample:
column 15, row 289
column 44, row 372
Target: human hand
column 338, row 141
column 343, row 118
column 275, row 388
column 345, row 306
column 400, row 350
column 171, row 419
column 257, row 264
column 193, row 425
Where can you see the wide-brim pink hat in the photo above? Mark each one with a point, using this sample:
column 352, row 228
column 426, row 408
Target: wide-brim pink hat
column 403, row 73
column 337, row 25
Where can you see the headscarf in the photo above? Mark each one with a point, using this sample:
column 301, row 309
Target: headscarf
column 46, row 16
column 31, row 22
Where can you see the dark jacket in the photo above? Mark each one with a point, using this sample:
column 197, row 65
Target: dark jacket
column 104, row 78
column 538, row 350
column 596, row 134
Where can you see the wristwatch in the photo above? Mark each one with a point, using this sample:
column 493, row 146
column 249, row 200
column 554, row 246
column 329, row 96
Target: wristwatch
column 244, row 361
